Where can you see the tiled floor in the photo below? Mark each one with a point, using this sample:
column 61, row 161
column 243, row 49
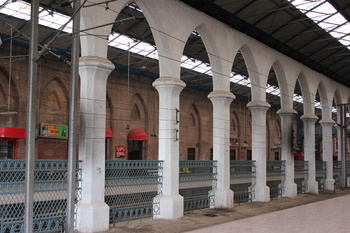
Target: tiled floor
column 332, row 215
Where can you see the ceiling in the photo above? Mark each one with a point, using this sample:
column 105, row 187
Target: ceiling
column 276, row 23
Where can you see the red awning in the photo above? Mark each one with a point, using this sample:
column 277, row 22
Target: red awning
column 109, row 133
column 137, row 134
column 12, row 133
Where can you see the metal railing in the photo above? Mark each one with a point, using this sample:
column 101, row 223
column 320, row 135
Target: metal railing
column 337, row 172
column 50, row 194
column 133, row 188
column 275, row 176
column 196, row 181
column 321, row 173
column 301, row 169
column 242, row 176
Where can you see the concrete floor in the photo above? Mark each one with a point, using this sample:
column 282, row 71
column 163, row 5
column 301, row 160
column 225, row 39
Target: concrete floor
column 332, row 215
column 325, row 212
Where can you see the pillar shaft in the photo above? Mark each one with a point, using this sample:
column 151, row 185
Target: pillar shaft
column 221, row 101
column 169, row 90
column 92, row 212
column 309, row 151
column 287, row 116
column 327, row 149
column 258, row 109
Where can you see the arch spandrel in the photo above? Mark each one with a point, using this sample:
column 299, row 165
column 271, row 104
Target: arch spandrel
column 326, row 101
column 170, row 32
column 337, row 96
column 285, row 90
column 258, row 90
column 94, row 42
column 217, row 40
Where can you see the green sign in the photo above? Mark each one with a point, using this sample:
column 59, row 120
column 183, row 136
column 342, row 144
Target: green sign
column 53, row 131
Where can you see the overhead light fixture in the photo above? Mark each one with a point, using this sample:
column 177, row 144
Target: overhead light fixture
column 244, row 146
column 144, row 68
column 0, row 41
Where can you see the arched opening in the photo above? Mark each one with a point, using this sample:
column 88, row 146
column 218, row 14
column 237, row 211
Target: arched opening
column 196, row 73
column 135, row 57
column 240, row 87
column 273, row 97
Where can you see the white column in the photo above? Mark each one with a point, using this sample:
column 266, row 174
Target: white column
column 309, row 151
column 287, row 116
column 169, row 89
column 92, row 211
column 221, row 101
column 327, row 143
column 258, row 109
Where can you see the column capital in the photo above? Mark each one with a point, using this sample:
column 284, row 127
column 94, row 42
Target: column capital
column 287, row 111
column 258, row 104
column 327, row 121
column 93, row 61
column 221, row 94
column 168, row 81
column 310, row 118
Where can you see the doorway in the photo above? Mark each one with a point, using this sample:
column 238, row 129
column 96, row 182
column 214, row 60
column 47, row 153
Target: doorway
column 134, row 150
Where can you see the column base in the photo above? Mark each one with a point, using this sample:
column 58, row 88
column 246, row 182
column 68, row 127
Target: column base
column 261, row 194
column 92, row 217
column 290, row 190
column 171, row 207
column 329, row 184
column 223, row 198
column 312, row 187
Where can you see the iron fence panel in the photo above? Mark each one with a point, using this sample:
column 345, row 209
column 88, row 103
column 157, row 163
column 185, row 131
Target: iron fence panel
column 321, row 173
column 242, row 174
column 50, row 194
column 197, row 180
column 133, row 188
column 301, row 169
column 275, row 176
column 337, row 172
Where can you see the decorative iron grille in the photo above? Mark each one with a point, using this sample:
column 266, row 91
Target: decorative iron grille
column 133, row 188
column 275, row 174
column 242, row 174
column 337, row 172
column 321, row 173
column 50, row 194
column 301, row 169
column 197, row 179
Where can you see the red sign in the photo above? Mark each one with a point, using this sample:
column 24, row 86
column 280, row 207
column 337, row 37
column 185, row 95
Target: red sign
column 119, row 151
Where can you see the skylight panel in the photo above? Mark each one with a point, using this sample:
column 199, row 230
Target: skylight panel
column 17, row 9
column 324, row 14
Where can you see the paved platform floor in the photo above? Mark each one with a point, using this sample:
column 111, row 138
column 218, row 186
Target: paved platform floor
column 332, row 215
column 327, row 211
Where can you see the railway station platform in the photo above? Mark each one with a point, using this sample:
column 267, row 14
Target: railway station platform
column 324, row 212
column 331, row 215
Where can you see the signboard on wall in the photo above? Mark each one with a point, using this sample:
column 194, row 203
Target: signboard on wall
column 53, row 131
column 120, row 151
column 234, row 141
